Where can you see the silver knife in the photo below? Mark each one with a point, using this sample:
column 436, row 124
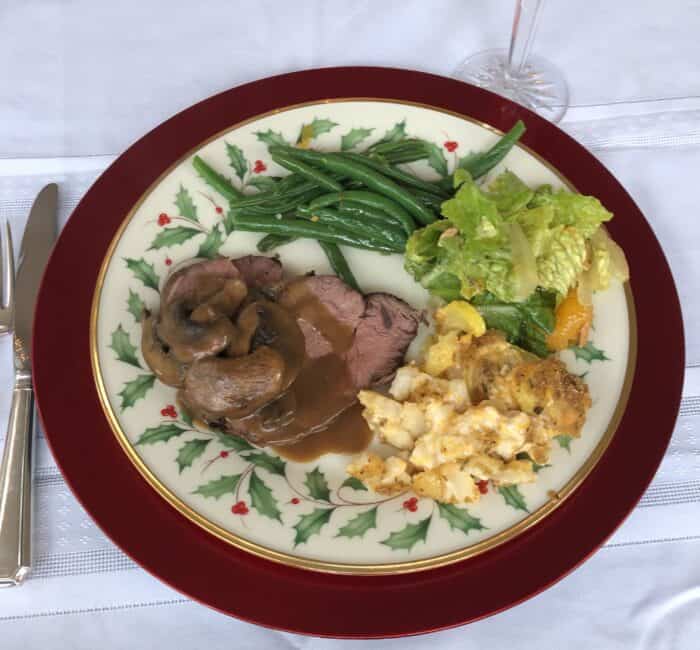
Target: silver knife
column 16, row 468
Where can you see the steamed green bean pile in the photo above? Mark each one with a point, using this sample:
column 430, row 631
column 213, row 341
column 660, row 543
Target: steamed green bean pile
column 364, row 200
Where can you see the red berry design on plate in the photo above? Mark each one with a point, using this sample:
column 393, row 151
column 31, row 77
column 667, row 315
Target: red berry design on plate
column 451, row 145
column 223, row 454
column 240, row 508
column 411, row 504
column 219, row 209
column 163, row 219
column 259, row 167
column 169, row 411
column 168, row 261
column 295, row 501
column 483, row 486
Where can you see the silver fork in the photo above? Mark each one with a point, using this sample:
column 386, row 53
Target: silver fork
column 7, row 297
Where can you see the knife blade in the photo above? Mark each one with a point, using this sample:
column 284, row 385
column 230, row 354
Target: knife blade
column 16, row 466
column 37, row 242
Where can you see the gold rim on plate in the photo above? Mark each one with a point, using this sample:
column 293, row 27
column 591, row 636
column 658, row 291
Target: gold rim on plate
column 322, row 565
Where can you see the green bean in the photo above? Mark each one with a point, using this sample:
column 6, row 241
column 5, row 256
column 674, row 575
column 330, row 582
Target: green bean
column 311, row 230
column 346, row 166
column 278, row 197
column 404, row 151
column 426, row 198
column 391, row 147
column 482, row 163
column 288, row 182
column 402, row 157
column 278, row 206
column 381, row 219
column 396, row 174
column 364, row 214
column 339, row 264
column 270, row 242
column 215, row 180
column 313, row 174
column 356, row 221
column 372, row 200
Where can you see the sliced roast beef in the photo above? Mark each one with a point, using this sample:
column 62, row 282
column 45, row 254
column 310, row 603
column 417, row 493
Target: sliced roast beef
column 258, row 271
column 328, row 312
column 197, row 282
column 381, row 339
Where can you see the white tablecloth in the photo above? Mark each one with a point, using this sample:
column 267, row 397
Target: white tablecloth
column 81, row 80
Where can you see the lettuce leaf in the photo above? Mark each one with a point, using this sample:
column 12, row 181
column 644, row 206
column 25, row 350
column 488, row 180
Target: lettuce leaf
column 562, row 259
column 509, row 193
column 525, row 323
column 466, row 253
column 585, row 213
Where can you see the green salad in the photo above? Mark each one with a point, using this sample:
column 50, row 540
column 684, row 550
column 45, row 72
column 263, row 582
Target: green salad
column 507, row 239
column 515, row 252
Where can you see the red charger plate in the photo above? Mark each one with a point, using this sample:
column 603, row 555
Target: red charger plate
column 234, row 582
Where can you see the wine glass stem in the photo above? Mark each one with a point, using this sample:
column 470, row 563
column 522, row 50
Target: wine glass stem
column 525, row 19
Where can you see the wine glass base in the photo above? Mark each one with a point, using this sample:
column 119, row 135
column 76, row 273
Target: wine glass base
column 539, row 85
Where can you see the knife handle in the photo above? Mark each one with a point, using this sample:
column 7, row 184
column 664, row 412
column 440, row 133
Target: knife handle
column 16, row 485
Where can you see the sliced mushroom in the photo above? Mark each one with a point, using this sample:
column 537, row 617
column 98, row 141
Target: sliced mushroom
column 168, row 369
column 219, row 387
column 224, row 302
column 196, row 305
column 246, row 324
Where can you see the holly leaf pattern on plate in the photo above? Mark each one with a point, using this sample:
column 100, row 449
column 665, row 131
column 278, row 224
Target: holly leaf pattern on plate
column 436, row 158
column 135, row 306
column 262, row 499
column 312, row 130
column 209, row 248
column 409, row 535
column 317, row 485
column 161, row 433
column 513, row 497
column 190, row 451
column 186, row 417
column 135, row 390
column 564, row 441
column 394, row 134
column 172, row 236
column 122, row 346
column 185, row 204
column 272, row 464
column 353, row 137
column 233, row 442
column 354, row 483
column 143, row 271
column 219, row 486
column 237, row 160
column 229, row 225
column 459, row 518
column 360, row 524
column 589, row 353
column 271, row 138
column 264, row 183
column 311, row 524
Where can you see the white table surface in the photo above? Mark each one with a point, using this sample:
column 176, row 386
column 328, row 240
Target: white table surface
column 80, row 80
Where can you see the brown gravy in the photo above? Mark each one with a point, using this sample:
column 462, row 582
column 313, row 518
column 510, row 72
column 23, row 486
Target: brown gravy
column 322, row 399
column 347, row 434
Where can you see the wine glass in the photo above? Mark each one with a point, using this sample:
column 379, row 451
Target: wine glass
column 529, row 80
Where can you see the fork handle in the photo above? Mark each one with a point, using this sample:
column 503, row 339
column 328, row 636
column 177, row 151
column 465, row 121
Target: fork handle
column 16, row 485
